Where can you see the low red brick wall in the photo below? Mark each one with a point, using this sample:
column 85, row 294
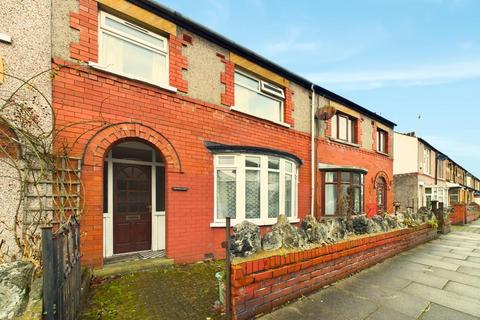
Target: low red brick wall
column 260, row 285
column 472, row 216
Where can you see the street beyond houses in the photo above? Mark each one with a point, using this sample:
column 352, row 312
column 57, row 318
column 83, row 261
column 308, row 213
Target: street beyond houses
column 439, row 280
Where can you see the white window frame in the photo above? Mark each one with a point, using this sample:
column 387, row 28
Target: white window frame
column 350, row 128
column 437, row 193
column 382, row 141
column 427, row 161
column 163, row 50
column 239, row 166
column 264, row 91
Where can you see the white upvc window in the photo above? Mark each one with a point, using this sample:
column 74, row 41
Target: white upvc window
column 382, row 141
column 436, row 193
column 426, row 161
column 132, row 51
column 254, row 187
column 343, row 128
column 258, row 97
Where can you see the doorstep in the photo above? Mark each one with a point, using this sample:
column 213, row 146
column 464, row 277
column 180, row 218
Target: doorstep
column 132, row 263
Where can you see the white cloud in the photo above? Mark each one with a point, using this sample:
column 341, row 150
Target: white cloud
column 406, row 77
column 291, row 41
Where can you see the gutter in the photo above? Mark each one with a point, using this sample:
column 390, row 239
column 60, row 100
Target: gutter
column 232, row 46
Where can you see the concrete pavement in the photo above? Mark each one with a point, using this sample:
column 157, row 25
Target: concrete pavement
column 439, row 280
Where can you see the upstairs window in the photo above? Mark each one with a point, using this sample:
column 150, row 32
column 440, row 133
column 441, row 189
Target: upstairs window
column 441, row 169
column 426, row 161
column 132, row 51
column 258, row 97
column 254, row 187
column 343, row 127
column 382, row 141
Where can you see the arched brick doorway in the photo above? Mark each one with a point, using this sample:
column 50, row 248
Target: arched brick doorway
column 98, row 241
column 381, row 191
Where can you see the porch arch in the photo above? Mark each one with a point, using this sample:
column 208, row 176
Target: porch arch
column 100, row 143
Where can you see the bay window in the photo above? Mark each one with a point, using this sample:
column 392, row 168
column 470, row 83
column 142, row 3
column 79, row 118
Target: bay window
column 258, row 97
column 254, row 187
column 343, row 193
column 132, row 51
column 343, row 127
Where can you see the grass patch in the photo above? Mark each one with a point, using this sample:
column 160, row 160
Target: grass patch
column 172, row 292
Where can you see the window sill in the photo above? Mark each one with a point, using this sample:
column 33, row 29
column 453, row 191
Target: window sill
column 258, row 223
column 383, row 153
column 283, row 124
column 97, row 66
column 351, row 144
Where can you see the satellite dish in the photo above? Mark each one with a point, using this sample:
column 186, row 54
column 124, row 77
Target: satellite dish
column 325, row 113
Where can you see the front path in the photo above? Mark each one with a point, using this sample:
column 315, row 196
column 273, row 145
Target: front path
column 439, row 280
column 168, row 292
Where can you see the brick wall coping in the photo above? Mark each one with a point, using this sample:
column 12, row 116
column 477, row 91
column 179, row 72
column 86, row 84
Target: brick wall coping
column 260, row 269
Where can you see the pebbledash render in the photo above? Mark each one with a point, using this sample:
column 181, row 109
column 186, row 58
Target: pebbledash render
column 178, row 127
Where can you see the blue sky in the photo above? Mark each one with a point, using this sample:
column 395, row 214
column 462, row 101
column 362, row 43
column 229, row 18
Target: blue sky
column 400, row 58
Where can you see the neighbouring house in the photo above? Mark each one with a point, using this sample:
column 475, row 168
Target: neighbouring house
column 24, row 54
column 423, row 174
column 177, row 127
column 476, row 196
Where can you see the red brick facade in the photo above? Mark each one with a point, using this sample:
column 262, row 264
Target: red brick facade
column 107, row 109
column 378, row 165
column 113, row 109
column 260, row 285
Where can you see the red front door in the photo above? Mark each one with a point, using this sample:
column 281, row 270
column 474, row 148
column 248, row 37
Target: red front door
column 132, row 217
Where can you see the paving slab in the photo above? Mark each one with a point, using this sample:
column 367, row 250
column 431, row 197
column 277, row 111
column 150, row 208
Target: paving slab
column 450, row 254
column 423, row 254
column 470, row 254
column 383, row 279
column 458, row 248
column 469, row 270
column 425, row 278
column 438, row 312
column 437, row 247
column 344, row 303
column 463, row 290
column 444, row 298
column 384, row 313
column 474, row 259
column 458, row 276
column 432, row 262
column 463, row 263
column 454, row 242
column 305, row 309
column 389, row 298
column 408, row 265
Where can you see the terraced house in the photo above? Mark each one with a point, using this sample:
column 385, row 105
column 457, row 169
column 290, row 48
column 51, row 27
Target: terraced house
column 177, row 127
column 424, row 174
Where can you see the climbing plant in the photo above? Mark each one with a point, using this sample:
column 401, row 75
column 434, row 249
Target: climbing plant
column 45, row 179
